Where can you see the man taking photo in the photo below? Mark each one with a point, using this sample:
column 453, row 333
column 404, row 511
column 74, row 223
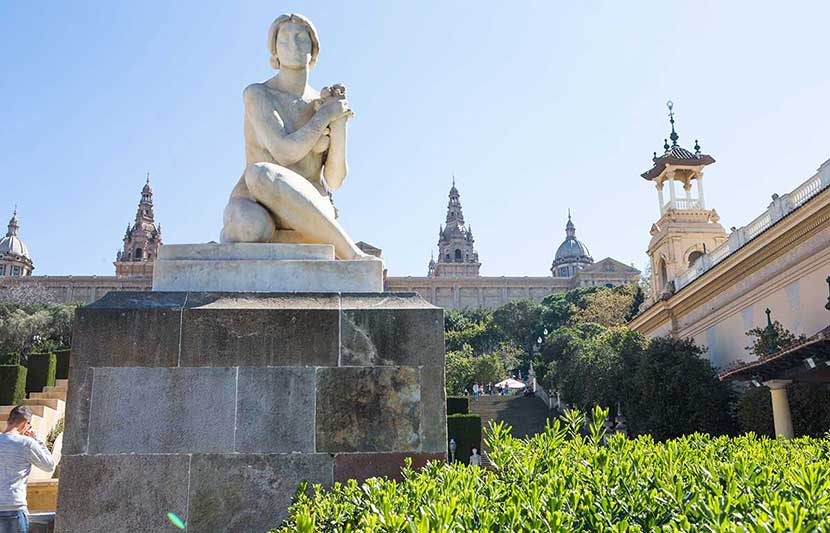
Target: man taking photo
column 19, row 450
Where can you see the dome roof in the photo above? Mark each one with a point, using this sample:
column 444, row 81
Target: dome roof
column 572, row 248
column 11, row 243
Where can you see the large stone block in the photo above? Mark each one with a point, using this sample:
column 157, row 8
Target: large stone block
column 275, row 410
column 76, row 427
column 116, row 493
column 249, row 492
column 433, row 409
column 225, row 329
column 368, row 409
column 361, row 466
column 390, row 330
column 128, row 329
column 162, row 410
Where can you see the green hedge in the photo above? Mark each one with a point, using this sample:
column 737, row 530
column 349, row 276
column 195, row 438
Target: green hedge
column 562, row 481
column 62, row 371
column 12, row 384
column 42, row 367
column 458, row 405
column 466, row 430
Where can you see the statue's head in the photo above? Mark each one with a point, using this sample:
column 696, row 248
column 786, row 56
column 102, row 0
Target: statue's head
column 293, row 42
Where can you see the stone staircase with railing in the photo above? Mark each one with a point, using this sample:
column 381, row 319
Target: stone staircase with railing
column 525, row 415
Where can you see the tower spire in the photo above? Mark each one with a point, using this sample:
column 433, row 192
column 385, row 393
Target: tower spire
column 674, row 136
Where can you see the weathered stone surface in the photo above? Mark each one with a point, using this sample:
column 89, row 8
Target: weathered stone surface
column 361, row 466
column 128, row 329
column 392, row 337
column 433, row 409
column 275, row 410
column 368, row 409
column 245, row 251
column 121, row 492
column 77, row 411
column 249, row 492
column 162, row 410
column 222, row 329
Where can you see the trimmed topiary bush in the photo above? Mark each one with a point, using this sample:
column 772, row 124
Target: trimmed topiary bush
column 62, row 370
column 561, row 481
column 466, row 430
column 458, row 405
column 12, row 384
column 42, row 367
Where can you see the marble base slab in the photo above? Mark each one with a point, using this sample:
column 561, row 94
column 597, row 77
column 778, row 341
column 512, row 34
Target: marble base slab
column 251, row 267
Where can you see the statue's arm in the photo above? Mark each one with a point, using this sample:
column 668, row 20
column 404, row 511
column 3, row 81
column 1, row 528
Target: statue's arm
column 336, row 168
column 286, row 148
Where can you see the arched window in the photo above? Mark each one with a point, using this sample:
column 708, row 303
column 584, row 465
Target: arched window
column 563, row 272
column 663, row 279
column 448, row 257
column 457, row 255
column 694, row 256
column 138, row 253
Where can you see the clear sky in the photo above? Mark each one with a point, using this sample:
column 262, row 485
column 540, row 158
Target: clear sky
column 536, row 107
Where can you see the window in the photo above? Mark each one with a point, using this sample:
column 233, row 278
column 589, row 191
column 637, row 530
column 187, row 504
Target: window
column 15, row 270
column 457, row 255
column 663, row 279
column 563, row 272
column 2, row 270
column 448, row 257
column 138, row 253
column 694, row 256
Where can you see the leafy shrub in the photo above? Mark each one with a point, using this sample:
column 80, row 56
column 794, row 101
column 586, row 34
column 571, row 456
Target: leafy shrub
column 562, row 481
column 466, row 430
column 56, row 430
column 62, row 369
column 42, row 367
column 12, row 384
column 458, row 405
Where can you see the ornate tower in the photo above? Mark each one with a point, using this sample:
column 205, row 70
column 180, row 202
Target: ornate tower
column 457, row 257
column 14, row 254
column 686, row 229
column 141, row 241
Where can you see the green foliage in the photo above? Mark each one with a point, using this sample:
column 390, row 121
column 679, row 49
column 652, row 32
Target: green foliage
column 56, row 430
column 33, row 328
column 458, row 405
column 488, row 368
column 62, row 370
column 763, row 342
column 12, row 384
column 519, row 322
column 466, row 430
column 42, row 367
column 563, row 481
column 459, row 370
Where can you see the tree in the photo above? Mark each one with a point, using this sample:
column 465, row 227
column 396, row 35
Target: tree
column 607, row 306
column 459, row 370
column 488, row 368
column 672, row 390
column 519, row 322
column 764, row 342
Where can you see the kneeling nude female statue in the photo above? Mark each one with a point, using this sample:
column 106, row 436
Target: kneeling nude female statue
column 295, row 150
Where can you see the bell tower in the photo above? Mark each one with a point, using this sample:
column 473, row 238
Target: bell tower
column 686, row 229
column 141, row 240
column 457, row 257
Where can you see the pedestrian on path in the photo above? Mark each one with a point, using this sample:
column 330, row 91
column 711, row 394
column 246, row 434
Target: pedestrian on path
column 19, row 450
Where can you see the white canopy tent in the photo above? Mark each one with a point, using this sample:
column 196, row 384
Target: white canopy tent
column 510, row 384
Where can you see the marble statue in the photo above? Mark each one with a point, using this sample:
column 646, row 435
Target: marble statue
column 295, row 151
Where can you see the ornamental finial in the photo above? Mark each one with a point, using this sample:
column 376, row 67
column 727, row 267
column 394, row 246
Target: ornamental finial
column 673, row 135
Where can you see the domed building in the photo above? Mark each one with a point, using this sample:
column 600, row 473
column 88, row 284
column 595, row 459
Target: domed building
column 572, row 255
column 14, row 254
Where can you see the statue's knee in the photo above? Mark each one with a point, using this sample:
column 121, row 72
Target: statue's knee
column 246, row 221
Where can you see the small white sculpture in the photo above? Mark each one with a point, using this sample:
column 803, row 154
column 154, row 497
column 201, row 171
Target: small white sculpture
column 295, row 151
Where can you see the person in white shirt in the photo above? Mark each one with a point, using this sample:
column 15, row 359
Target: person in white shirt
column 19, row 450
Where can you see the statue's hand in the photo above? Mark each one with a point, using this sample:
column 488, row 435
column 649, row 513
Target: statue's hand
column 335, row 108
column 322, row 143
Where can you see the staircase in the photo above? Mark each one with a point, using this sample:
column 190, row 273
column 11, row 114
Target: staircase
column 526, row 416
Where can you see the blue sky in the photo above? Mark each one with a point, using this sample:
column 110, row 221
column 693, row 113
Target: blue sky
column 536, row 108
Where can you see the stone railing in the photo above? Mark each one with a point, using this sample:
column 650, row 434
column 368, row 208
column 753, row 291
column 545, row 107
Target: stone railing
column 549, row 400
column 780, row 207
column 684, row 204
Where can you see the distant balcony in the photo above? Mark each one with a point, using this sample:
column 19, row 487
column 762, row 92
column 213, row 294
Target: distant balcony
column 685, row 204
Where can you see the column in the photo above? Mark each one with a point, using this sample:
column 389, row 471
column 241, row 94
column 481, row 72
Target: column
column 782, row 418
column 660, row 196
column 700, row 191
column 672, row 195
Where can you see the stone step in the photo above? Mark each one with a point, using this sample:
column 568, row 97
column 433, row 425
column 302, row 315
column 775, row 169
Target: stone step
column 56, row 388
column 54, row 403
column 48, row 395
column 61, row 382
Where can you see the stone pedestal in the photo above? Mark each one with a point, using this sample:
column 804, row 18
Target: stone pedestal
column 214, row 406
column 252, row 267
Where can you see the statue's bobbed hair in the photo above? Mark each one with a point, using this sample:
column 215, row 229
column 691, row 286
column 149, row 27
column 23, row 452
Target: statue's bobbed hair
column 275, row 29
